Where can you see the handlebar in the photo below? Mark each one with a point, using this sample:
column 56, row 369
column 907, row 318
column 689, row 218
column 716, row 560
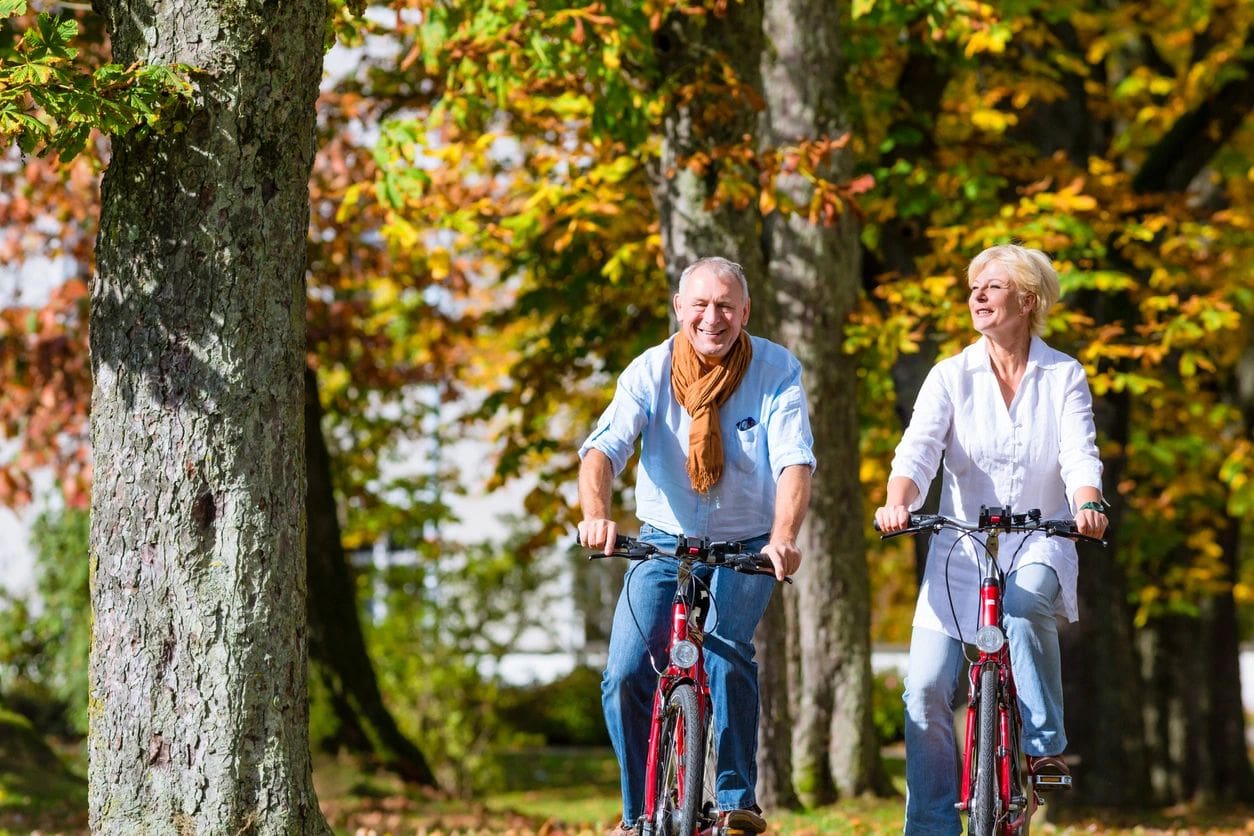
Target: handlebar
column 995, row 519
column 696, row 550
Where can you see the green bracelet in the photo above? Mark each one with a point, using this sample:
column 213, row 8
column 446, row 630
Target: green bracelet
column 1093, row 506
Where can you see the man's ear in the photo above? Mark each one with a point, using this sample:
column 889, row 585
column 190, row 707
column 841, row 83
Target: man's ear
column 675, row 302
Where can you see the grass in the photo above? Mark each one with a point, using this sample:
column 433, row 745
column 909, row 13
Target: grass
column 574, row 792
column 38, row 791
column 547, row 792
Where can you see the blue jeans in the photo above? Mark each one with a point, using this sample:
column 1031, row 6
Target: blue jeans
column 644, row 607
column 933, row 677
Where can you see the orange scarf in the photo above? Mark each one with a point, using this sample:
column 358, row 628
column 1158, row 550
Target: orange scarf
column 701, row 385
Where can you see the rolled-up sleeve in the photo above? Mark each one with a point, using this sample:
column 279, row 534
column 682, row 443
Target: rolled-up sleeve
column 621, row 423
column 1078, row 460
column 918, row 454
column 790, row 440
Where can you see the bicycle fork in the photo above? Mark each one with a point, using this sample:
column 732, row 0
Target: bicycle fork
column 685, row 664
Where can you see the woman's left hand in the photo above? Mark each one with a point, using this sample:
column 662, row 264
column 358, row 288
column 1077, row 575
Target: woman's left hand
column 1091, row 523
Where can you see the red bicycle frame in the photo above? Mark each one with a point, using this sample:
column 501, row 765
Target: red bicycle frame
column 679, row 802
column 1008, row 810
column 1007, row 715
column 687, row 624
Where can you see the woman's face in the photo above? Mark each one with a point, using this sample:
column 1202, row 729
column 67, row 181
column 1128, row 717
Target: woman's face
column 996, row 309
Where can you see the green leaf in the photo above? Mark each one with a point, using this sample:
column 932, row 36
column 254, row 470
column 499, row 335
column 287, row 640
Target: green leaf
column 12, row 8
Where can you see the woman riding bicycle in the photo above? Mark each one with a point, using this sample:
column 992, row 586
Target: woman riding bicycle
column 1013, row 420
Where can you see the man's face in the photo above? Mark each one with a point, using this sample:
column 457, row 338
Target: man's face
column 712, row 311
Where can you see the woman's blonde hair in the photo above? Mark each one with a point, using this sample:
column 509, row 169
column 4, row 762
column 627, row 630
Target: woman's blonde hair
column 1031, row 272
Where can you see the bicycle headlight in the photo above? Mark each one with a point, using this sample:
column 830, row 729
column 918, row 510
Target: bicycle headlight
column 684, row 654
column 990, row 639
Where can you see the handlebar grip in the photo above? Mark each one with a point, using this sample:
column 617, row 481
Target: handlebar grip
column 1067, row 528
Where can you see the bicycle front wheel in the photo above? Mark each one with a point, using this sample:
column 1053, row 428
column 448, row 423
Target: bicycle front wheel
column 681, row 762
column 982, row 812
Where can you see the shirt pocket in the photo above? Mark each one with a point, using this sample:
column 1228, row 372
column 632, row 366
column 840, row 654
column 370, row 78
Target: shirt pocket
column 745, row 449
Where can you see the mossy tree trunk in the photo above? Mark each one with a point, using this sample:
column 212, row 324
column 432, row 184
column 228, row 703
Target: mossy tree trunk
column 198, row 716
column 710, row 115
column 815, row 270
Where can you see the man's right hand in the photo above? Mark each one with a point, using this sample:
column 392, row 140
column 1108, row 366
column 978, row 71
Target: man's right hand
column 598, row 534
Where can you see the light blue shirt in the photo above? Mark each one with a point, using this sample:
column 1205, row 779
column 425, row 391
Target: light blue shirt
column 765, row 428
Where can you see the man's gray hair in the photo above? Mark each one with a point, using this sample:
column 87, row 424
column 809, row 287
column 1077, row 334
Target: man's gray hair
column 721, row 267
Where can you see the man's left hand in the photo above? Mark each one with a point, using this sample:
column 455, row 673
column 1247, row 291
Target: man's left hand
column 785, row 557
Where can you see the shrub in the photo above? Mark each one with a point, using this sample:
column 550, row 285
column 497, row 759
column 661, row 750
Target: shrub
column 887, row 710
column 565, row 712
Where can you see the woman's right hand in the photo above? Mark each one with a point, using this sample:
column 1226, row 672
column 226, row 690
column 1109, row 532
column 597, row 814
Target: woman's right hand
column 892, row 518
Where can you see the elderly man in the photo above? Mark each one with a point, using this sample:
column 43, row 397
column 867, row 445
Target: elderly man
column 726, row 455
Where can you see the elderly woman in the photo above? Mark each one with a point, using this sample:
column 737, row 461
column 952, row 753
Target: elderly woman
column 1013, row 420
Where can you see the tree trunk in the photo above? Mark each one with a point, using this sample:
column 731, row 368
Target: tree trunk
column 199, row 714
column 337, row 649
column 1223, row 738
column 772, row 641
column 1195, row 725
column 696, row 220
column 1102, row 713
column 815, row 274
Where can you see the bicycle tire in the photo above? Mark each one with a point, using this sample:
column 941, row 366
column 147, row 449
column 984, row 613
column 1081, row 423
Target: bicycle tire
column 981, row 813
column 681, row 763
column 1019, row 785
column 708, row 815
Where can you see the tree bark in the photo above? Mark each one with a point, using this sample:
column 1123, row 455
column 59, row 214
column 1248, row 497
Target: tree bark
column 708, row 118
column 772, row 641
column 199, row 714
column 338, row 659
column 815, row 270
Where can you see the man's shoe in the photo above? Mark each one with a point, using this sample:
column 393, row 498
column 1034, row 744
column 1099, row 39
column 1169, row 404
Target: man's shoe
column 623, row 829
column 741, row 822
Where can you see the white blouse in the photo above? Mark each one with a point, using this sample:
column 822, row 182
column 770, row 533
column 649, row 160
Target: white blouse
column 1035, row 454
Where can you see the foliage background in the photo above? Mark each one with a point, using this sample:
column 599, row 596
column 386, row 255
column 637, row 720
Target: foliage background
column 485, row 256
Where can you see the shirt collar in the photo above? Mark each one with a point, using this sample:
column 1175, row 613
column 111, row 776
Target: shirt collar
column 977, row 355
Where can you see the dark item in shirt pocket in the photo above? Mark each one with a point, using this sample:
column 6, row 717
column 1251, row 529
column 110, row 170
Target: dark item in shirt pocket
column 746, row 424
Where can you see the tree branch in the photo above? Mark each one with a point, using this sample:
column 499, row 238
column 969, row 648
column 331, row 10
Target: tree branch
column 1193, row 141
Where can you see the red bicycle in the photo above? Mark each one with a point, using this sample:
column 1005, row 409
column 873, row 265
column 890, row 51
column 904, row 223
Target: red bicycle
column 999, row 790
column 679, row 776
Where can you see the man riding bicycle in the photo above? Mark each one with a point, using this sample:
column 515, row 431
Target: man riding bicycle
column 726, row 455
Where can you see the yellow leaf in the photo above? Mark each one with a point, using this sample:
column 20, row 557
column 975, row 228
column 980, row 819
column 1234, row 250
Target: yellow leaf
column 766, row 201
column 862, row 7
column 993, row 121
column 439, row 262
